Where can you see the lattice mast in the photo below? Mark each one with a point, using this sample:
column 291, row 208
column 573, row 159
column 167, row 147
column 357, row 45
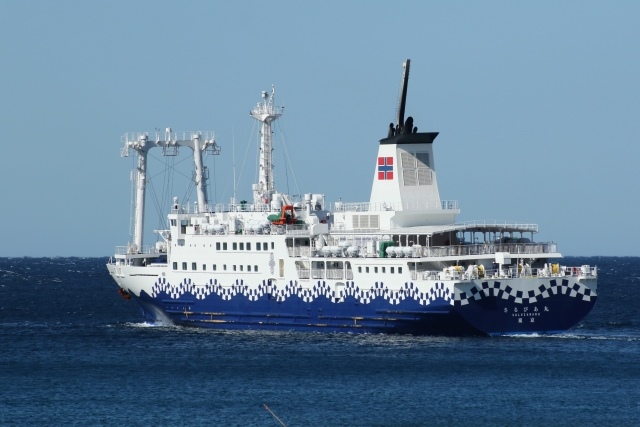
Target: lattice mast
column 265, row 112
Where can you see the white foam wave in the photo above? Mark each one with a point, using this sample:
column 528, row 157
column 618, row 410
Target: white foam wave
column 573, row 336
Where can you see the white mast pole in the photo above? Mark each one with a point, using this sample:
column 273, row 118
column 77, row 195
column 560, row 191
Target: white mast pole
column 201, row 185
column 265, row 113
column 140, row 181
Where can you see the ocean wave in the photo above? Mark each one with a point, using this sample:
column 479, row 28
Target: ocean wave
column 575, row 336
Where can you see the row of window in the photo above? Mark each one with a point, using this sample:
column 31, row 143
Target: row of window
column 234, row 267
column 235, row 246
column 384, row 270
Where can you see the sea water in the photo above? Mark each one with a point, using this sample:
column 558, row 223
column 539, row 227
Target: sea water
column 73, row 353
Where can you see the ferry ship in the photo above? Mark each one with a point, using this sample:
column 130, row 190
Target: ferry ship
column 399, row 263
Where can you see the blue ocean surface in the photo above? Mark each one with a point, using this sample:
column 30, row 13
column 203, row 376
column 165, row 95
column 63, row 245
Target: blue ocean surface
column 73, row 353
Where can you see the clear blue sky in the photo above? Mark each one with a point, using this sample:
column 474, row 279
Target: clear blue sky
column 537, row 105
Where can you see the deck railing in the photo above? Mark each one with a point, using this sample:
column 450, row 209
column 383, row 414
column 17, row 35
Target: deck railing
column 514, row 249
column 395, row 206
column 131, row 249
column 554, row 270
column 331, row 273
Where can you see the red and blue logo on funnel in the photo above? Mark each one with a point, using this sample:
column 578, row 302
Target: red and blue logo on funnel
column 385, row 167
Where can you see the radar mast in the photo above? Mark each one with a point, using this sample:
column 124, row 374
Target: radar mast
column 265, row 112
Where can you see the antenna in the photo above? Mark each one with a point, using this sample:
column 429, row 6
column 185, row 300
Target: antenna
column 403, row 96
column 233, row 132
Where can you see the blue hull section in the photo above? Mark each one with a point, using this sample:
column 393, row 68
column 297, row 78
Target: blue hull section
column 495, row 316
column 552, row 309
column 490, row 315
column 322, row 315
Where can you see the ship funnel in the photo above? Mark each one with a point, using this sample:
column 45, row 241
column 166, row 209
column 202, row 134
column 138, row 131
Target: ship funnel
column 404, row 177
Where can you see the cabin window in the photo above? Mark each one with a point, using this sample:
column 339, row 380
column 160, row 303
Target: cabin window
column 234, row 267
column 224, row 246
column 359, row 269
column 175, row 265
column 265, row 246
column 174, row 223
column 224, row 267
column 193, row 266
column 392, row 268
column 242, row 268
column 255, row 268
column 235, row 246
column 399, row 270
column 375, row 269
column 383, row 268
column 258, row 246
column 184, row 265
column 242, row 246
column 366, row 269
column 214, row 267
column 248, row 268
column 217, row 246
column 248, row 246
column 204, row 267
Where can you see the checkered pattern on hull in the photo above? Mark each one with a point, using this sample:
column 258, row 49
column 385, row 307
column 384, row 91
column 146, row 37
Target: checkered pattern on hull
column 503, row 290
column 320, row 289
